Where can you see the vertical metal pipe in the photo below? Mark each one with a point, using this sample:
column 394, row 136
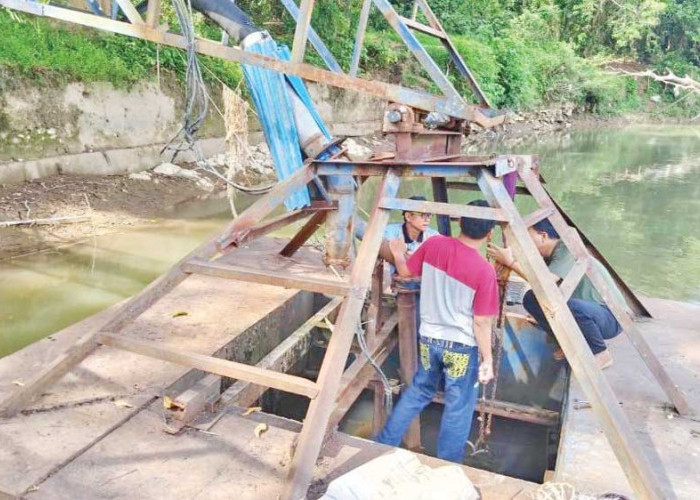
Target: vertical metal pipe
column 339, row 223
column 440, row 194
column 407, row 293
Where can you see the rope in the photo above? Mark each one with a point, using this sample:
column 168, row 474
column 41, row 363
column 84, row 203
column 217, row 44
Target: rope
column 565, row 491
column 197, row 105
column 197, row 98
column 388, row 393
column 489, row 391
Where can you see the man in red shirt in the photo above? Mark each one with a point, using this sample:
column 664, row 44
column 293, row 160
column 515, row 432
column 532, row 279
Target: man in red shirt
column 459, row 298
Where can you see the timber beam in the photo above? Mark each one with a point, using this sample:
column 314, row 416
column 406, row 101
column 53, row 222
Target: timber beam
column 280, row 359
column 210, row 364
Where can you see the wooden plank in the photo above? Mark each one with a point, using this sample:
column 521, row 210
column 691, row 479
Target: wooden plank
column 473, row 186
column 375, row 311
column 329, row 378
column 270, row 225
column 440, row 195
column 265, row 205
column 448, row 209
column 413, row 44
column 153, row 13
column 639, row 472
column 209, row 364
column 575, row 244
column 360, row 37
column 184, row 408
column 304, row 234
column 513, row 411
column 302, row 30
column 130, row 12
column 537, row 216
column 282, row 220
column 415, row 25
column 280, row 359
column 379, row 413
column 275, row 278
column 315, row 40
column 571, row 280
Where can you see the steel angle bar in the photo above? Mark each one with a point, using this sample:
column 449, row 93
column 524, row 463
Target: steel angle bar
column 417, row 49
column 315, row 40
column 449, row 209
column 453, row 53
column 300, row 33
column 396, row 93
column 360, row 36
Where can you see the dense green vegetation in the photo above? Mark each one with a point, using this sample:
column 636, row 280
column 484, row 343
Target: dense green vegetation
column 524, row 54
column 51, row 52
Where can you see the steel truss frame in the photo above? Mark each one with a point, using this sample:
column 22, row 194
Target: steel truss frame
column 450, row 103
column 335, row 390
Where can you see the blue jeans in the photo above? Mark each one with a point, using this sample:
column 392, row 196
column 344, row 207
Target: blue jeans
column 459, row 364
column 595, row 320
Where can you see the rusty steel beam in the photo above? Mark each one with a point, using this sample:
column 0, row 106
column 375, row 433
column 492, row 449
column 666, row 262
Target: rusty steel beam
column 360, row 37
column 390, row 92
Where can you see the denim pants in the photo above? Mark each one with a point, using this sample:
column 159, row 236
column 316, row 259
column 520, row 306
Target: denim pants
column 459, row 364
column 595, row 320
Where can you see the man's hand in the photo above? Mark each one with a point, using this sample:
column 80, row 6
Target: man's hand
column 486, row 372
column 397, row 247
column 503, row 256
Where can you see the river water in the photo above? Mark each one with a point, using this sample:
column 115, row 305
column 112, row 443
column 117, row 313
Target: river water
column 634, row 192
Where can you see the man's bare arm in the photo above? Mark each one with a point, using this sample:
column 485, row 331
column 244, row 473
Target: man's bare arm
column 385, row 252
column 482, row 332
column 398, row 250
column 504, row 256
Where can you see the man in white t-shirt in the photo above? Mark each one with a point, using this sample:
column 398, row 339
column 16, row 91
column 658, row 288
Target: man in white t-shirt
column 414, row 230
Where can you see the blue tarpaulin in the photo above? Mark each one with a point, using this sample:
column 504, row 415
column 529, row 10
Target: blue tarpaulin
column 273, row 105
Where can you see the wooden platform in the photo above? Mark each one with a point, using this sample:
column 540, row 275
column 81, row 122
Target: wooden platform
column 259, row 262
column 110, row 387
column 98, row 433
column 673, row 443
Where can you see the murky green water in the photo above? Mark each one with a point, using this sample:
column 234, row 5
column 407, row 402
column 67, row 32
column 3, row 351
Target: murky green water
column 635, row 192
column 636, row 195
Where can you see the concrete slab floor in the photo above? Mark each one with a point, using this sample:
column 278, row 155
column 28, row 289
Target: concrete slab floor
column 672, row 443
column 110, row 386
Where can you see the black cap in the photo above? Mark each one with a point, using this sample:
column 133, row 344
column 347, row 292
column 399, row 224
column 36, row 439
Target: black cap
column 416, row 197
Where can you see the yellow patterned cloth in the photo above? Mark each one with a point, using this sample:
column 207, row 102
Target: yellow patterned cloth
column 456, row 363
column 425, row 356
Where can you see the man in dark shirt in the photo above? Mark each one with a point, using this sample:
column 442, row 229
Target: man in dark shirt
column 596, row 321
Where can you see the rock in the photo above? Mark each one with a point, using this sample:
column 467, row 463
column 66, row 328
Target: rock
column 15, row 140
column 173, row 170
column 356, row 152
column 263, row 148
column 205, row 184
column 655, row 98
column 51, row 131
column 140, row 176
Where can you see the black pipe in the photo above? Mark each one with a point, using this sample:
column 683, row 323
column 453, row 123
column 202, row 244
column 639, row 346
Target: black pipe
column 229, row 16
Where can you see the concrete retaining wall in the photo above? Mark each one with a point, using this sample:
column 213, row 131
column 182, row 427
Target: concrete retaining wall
column 96, row 129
